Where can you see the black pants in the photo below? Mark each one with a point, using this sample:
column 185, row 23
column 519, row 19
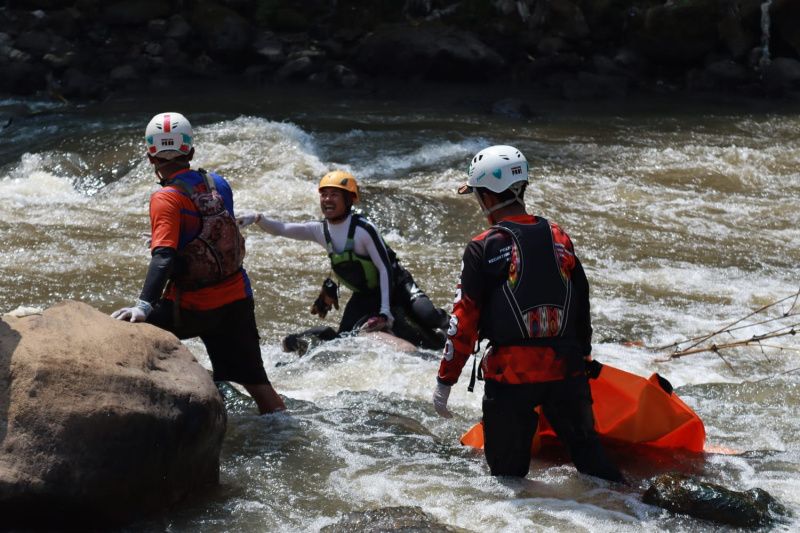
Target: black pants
column 408, row 295
column 509, row 424
column 360, row 307
column 229, row 334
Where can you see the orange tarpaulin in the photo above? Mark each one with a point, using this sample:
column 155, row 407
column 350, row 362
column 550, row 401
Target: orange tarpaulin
column 628, row 409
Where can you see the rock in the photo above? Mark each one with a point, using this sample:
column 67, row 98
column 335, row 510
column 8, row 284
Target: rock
column 388, row 519
column 123, row 73
column 343, row 76
column 101, row 421
column 225, row 32
column 552, row 45
column 157, row 27
column 680, row 32
column 739, row 28
column 589, row 86
column 296, row 69
column 728, row 71
column 135, row 12
column 567, row 19
column 427, row 52
column 37, row 43
column 77, row 83
column 684, row 494
column 178, row 28
column 512, row 108
column 785, row 15
column 59, row 62
column 781, row 74
column 22, row 77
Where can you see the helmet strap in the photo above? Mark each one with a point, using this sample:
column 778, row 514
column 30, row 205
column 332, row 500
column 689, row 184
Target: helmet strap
column 158, row 167
column 489, row 210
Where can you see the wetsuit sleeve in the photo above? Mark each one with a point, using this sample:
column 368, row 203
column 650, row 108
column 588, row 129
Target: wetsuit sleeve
column 380, row 257
column 305, row 231
column 462, row 334
column 158, row 273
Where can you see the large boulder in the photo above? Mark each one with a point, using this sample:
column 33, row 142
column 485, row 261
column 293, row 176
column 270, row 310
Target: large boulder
column 427, row 52
column 785, row 15
column 680, row 33
column 101, row 421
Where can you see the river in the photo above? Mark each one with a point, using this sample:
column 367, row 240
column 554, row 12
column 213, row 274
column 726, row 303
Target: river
column 685, row 214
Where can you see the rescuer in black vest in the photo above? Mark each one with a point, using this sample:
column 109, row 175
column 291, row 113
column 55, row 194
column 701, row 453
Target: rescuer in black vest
column 523, row 288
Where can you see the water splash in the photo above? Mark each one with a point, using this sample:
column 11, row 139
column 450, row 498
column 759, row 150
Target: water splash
column 765, row 24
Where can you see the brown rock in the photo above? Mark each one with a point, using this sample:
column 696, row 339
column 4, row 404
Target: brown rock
column 100, row 420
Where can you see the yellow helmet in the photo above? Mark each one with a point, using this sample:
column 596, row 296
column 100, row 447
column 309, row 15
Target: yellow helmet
column 341, row 180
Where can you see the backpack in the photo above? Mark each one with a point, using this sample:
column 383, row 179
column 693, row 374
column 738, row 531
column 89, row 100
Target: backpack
column 217, row 252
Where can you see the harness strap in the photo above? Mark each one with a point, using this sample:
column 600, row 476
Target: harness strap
column 349, row 244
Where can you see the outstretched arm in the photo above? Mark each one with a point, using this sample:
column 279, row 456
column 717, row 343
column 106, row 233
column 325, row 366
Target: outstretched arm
column 304, row 231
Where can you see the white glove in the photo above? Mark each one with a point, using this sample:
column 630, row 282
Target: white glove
column 246, row 220
column 137, row 313
column 440, row 396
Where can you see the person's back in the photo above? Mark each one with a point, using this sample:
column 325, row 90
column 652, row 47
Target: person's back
column 183, row 292
column 524, row 290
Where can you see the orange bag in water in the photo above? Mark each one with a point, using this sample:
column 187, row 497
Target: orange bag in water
column 627, row 409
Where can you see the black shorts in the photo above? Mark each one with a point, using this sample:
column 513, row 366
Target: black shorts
column 229, row 333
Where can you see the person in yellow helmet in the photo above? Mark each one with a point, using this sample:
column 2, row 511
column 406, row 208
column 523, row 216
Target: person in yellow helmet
column 362, row 262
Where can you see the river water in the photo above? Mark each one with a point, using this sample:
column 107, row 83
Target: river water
column 686, row 216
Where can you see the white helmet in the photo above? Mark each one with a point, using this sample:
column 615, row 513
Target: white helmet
column 496, row 168
column 168, row 135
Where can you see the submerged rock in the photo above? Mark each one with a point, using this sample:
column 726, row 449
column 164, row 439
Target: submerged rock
column 101, row 421
column 401, row 424
column 683, row 494
column 388, row 519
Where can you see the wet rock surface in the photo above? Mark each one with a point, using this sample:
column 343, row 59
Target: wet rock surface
column 388, row 519
column 688, row 495
column 574, row 49
column 101, row 421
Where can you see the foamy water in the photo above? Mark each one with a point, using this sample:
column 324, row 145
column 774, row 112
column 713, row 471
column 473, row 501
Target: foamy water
column 684, row 222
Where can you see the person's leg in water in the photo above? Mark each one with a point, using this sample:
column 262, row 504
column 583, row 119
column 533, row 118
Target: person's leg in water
column 509, row 424
column 266, row 397
column 360, row 307
column 569, row 411
column 425, row 313
column 230, row 336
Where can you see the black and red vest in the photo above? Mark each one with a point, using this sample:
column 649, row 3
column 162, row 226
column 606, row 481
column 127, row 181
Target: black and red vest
column 534, row 305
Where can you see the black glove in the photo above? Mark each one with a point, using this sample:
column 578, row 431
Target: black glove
column 328, row 298
column 593, row 369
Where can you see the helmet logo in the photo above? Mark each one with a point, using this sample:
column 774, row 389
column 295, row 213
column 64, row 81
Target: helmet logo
column 497, row 173
column 167, row 142
column 516, row 170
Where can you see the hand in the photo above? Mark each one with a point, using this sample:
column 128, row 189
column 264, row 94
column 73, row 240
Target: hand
column 440, row 396
column 246, row 220
column 137, row 313
column 377, row 323
column 593, row 367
